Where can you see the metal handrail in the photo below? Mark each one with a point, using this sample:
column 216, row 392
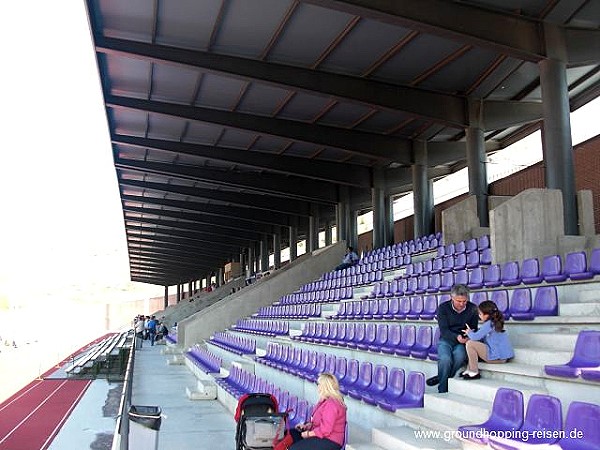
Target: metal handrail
column 121, row 436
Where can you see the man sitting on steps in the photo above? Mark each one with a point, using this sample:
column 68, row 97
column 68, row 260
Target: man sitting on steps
column 452, row 316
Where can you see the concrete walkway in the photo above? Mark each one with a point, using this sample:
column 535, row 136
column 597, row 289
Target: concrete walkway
column 187, row 424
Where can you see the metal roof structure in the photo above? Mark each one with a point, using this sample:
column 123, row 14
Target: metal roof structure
column 231, row 118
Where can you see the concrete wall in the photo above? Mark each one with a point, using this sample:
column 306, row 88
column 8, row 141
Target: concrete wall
column 528, row 225
column 222, row 314
column 458, row 220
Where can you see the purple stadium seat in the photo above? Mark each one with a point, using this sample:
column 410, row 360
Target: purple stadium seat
column 437, row 265
column 427, row 266
column 378, row 385
column 380, row 338
column 330, row 363
column 585, row 355
column 460, row 261
column 447, row 282
column 394, row 389
column 483, row 242
column 460, row 247
column 435, row 281
column 403, row 308
column 365, row 377
column 359, row 335
column 521, row 307
column 393, row 306
column 295, row 412
column 470, row 245
column 485, row 257
column 507, row 414
column 417, row 269
column 576, row 266
column 510, row 274
column 478, row 297
column 546, row 301
column 411, row 286
column 341, row 312
column 381, row 309
column 430, row 305
column 423, row 342
column 393, row 339
column 370, row 308
column 544, row 415
column 422, row 284
column 416, row 307
column 409, row 271
column 473, row 259
column 492, row 276
column 595, row 261
column 369, row 339
column 591, row 374
column 500, row 298
column 475, row 278
column 409, row 336
column 461, row 276
column 351, row 377
column 448, row 263
column 433, row 353
column 341, row 367
column 582, row 421
column 552, row 269
column 412, row 397
column 530, row 271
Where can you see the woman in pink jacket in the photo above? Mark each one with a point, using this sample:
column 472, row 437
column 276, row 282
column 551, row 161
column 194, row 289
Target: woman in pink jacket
column 327, row 427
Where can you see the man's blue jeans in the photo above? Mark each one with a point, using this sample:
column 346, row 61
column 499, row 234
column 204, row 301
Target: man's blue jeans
column 452, row 356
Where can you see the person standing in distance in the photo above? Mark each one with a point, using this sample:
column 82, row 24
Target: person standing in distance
column 452, row 316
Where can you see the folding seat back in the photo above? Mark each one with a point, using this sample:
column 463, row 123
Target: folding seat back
column 544, row 412
column 394, row 337
column 403, row 308
column 546, row 301
column 435, row 281
column 460, row 261
column 595, row 261
column 433, row 353
column 350, row 331
column 472, row 259
column 471, row 245
column 381, row 336
column 416, row 307
column 417, row 269
column 461, row 277
column 365, row 377
column 409, row 336
column 370, row 336
column 448, row 264
column 382, row 308
column 351, row 377
column 449, row 249
column 491, row 276
column 329, row 363
column 552, row 269
column 581, row 427
column 359, row 334
column 510, row 273
column 437, row 265
column 427, row 266
column 485, row 257
column 475, row 278
column 500, row 298
column 411, row 286
column 587, row 349
column 530, row 271
column 283, row 401
column 393, row 308
column 576, row 266
column 409, row 271
column 460, row 247
column 447, row 282
column 422, row 284
column 483, row 242
column 423, row 341
column 378, row 383
column 395, row 384
column 414, row 390
column 341, row 368
column 521, row 307
column 478, row 297
column 429, row 307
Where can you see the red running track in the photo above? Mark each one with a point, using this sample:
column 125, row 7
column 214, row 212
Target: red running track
column 32, row 418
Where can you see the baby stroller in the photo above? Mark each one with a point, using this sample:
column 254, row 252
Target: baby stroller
column 259, row 422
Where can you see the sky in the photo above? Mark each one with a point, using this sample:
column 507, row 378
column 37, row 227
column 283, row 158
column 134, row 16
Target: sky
column 62, row 217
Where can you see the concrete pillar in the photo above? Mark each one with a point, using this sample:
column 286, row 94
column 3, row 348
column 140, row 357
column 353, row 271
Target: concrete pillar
column 277, row 248
column 166, row 300
column 313, row 228
column 377, row 201
column 327, row 233
column 388, row 203
column 556, row 130
column 353, row 230
column 264, row 254
column 293, row 229
column 178, row 292
column 342, row 209
column 220, row 276
column 250, row 260
column 476, row 160
column 422, row 191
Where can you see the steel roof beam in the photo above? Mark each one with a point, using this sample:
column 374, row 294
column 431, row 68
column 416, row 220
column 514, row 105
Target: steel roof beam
column 377, row 146
column 233, row 213
column 199, row 241
column 444, row 108
column 276, row 185
column 331, row 172
column 223, row 223
column 287, row 206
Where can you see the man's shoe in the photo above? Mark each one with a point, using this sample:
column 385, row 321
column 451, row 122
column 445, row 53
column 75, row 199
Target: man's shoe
column 433, row 381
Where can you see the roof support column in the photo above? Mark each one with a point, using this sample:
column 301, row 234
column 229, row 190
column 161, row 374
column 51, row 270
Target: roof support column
column 264, row 254
column 166, row 299
column 352, row 229
column 389, row 218
column 277, row 248
column 342, row 212
column 556, row 129
column 293, row 228
column 422, row 191
column 478, row 185
column 313, row 228
column 377, row 200
column 327, row 233
column 250, row 270
column 178, row 292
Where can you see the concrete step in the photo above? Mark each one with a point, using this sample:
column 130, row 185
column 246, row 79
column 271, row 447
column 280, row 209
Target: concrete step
column 403, row 437
column 539, row 356
column 429, row 419
column 363, row 446
column 468, row 408
column 580, row 309
column 589, row 296
column 485, row 389
column 560, row 341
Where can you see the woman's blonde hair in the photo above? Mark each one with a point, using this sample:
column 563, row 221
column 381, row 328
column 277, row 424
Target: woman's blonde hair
column 329, row 387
